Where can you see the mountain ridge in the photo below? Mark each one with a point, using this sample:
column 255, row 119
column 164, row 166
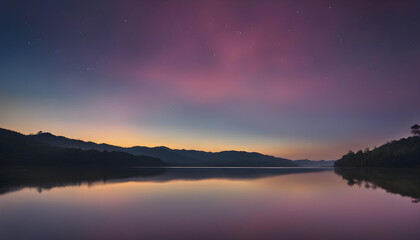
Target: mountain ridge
column 17, row 149
column 311, row 163
column 174, row 157
column 179, row 157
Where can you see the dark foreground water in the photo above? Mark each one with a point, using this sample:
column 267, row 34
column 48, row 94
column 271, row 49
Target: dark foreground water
column 267, row 203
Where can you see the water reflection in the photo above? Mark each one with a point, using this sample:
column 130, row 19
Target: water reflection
column 404, row 182
column 45, row 178
column 237, row 203
column 17, row 178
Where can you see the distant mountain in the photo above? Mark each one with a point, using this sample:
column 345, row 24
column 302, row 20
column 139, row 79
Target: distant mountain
column 174, row 157
column 21, row 150
column 157, row 152
column 236, row 158
column 403, row 153
column 312, row 163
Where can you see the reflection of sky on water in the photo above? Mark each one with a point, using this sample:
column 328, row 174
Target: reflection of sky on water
column 312, row 204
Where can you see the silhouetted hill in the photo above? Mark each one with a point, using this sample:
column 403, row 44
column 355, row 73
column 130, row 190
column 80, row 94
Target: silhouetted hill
column 311, row 163
column 168, row 154
column 175, row 157
column 17, row 150
column 157, row 152
column 404, row 153
column 236, row 158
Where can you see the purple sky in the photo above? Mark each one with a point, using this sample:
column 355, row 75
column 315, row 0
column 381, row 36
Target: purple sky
column 296, row 79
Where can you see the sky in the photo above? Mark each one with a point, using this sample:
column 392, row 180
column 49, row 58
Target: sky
column 295, row 79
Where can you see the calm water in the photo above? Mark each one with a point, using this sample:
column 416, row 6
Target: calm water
column 192, row 203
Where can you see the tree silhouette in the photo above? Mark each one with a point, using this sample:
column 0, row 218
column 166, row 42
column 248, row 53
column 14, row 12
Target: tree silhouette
column 415, row 129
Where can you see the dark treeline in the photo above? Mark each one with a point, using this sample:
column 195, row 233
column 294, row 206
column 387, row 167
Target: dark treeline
column 403, row 153
column 20, row 150
column 405, row 182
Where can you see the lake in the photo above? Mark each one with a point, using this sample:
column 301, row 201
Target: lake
column 209, row 203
